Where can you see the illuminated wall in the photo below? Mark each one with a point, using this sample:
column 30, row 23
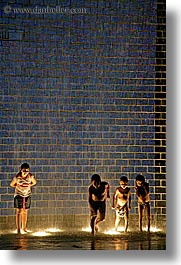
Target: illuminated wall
column 82, row 91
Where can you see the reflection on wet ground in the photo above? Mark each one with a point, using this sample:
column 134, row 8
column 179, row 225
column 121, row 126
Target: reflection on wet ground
column 83, row 241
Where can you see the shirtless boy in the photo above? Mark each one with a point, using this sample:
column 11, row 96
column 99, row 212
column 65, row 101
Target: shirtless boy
column 143, row 194
column 98, row 192
column 122, row 202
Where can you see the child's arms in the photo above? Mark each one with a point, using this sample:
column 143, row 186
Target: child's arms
column 129, row 201
column 136, row 189
column 142, row 192
column 107, row 188
column 13, row 183
column 34, row 181
column 114, row 199
column 90, row 198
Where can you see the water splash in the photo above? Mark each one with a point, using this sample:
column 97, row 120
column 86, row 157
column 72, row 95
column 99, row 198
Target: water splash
column 40, row 233
column 114, row 232
column 153, row 229
column 86, row 229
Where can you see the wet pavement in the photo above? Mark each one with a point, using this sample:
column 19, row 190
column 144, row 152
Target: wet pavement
column 83, row 240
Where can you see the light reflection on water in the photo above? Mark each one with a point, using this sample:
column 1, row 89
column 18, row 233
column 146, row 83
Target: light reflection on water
column 111, row 244
column 54, row 238
column 40, row 233
column 48, row 231
column 22, row 244
column 112, row 231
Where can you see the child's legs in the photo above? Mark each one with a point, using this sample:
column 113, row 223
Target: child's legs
column 22, row 204
column 18, row 204
column 18, row 218
column 92, row 220
column 147, row 208
column 126, row 219
column 118, row 218
column 140, row 213
column 24, row 218
column 26, row 206
column 101, row 212
column 93, row 216
column 100, row 217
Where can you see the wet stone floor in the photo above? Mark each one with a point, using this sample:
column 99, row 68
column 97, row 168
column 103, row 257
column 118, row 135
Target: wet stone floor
column 83, row 241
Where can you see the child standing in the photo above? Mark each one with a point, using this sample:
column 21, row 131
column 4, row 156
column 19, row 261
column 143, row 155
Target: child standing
column 143, row 194
column 98, row 192
column 122, row 202
column 22, row 183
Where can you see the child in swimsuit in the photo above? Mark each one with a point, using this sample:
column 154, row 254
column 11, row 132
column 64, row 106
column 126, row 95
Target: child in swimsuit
column 142, row 192
column 98, row 192
column 22, row 183
column 122, row 202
